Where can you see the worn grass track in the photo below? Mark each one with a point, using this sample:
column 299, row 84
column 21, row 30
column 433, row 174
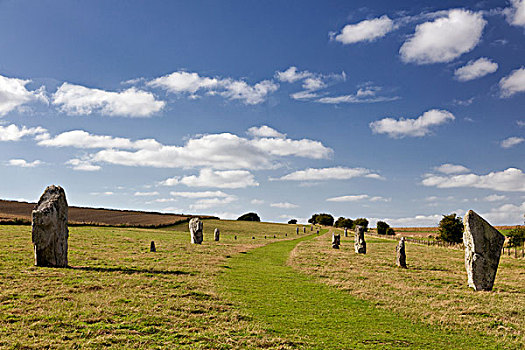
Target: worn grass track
column 291, row 305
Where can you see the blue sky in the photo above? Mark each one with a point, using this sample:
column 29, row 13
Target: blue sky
column 400, row 111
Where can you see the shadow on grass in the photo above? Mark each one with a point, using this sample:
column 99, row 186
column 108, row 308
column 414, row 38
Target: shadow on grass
column 130, row 271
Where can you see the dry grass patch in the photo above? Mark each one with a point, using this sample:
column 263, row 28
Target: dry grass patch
column 433, row 289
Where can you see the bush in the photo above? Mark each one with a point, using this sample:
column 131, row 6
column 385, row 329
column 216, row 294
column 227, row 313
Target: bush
column 361, row 222
column 382, row 227
column 292, row 221
column 390, row 231
column 516, row 237
column 451, row 229
column 322, row 219
column 344, row 223
column 249, row 217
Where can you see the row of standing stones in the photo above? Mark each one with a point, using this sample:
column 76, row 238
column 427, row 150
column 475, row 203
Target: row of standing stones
column 49, row 233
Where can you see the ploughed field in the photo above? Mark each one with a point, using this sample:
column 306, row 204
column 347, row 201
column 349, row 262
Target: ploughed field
column 246, row 292
column 20, row 212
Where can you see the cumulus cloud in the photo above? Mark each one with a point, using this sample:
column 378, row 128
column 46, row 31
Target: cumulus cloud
column 83, row 139
column 367, row 30
column 215, row 178
column 475, row 69
column 257, row 201
column 206, row 203
column 23, row 163
column 265, row 131
column 516, row 13
column 494, row 198
column 203, row 194
column 507, row 214
column 414, row 221
column 358, row 197
column 13, row 94
column 513, row 83
column 511, row 142
column 284, row 205
column 452, row 169
column 365, row 94
column 311, row 82
column 291, row 75
column 80, row 100
column 411, row 127
column 83, row 165
column 146, row 194
column 335, row 173
column 445, row 38
column 15, row 133
column 511, row 180
column 191, row 83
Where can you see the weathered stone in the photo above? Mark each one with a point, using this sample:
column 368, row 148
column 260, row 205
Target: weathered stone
column 304, row 229
column 297, row 230
column 401, row 258
column 317, row 231
column 216, row 234
column 49, row 230
column 346, row 232
column 483, row 245
column 196, row 231
column 360, row 244
column 336, row 241
column 311, row 228
column 152, row 247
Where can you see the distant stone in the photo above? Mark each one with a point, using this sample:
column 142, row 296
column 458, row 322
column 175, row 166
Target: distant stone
column 216, row 234
column 336, row 241
column 401, row 258
column 317, row 231
column 346, row 232
column 304, row 229
column 152, row 247
column 253, row 237
column 360, row 244
column 483, row 245
column 274, row 236
column 196, row 231
column 286, row 234
column 49, row 230
column 297, row 230
column 235, row 237
column 311, row 228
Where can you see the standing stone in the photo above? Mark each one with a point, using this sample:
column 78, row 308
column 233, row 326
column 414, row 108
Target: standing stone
column 346, row 232
column 152, row 247
column 336, row 240
column 49, row 230
column 304, row 229
column 216, row 234
column 196, row 231
column 401, row 258
column 317, row 231
column 483, row 245
column 297, row 230
column 311, row 228
column 360, row 244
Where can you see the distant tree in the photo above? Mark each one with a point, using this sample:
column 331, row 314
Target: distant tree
column 451, row 229
column 292, row 221
column 382, row 227
column 344, row 222
column 322, row 219
column 516, row 237
column 390, row 231
column 249, row 217
column 361, row 222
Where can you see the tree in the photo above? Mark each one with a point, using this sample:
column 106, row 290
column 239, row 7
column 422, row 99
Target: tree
column 390, row 231
column 382, row 227
column 451, row 229
column 344, row 222
column 322, row 219
column 361, row 222
column 292, row 221
column 516, row 237
column 249, row 217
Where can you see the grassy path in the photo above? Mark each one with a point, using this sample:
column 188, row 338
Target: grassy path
column 291, row 305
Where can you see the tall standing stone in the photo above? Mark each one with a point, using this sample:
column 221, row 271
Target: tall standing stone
column 49, row 230
column 304, row 229
column 401, row 258
column 196, row 230
column 360, row 244
column 346, row 232
column 216, row 234
column 297, row 230
column 483, row 245
column 152, row 247
column 336, row 241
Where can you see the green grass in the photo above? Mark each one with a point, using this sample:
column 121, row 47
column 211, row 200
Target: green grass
column 317, row 316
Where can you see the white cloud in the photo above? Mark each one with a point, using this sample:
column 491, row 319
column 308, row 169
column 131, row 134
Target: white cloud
column 146, row 194
column 336, row 173
column 291, row 75
column 520, row 123
column 265, row 131
column 83, row 165
column 287, row 147
column 13, row 94
column 494, row 198
column 513, row 83
column 451, row 169
column 184, row 82
column 215, row 178
column 516, row 13
column 367, row 30
column 284, row 205
column 415, row 221
column 23, row 163
column 107, row 193
column 411, row 127
column 445, row 38
column 358, row 197
column 507, row 214
column 511, row 142
column 511, row 179
column 356, row 98
column 80, row 100
column 475, row 69
column 257, row 201
column 14, row 133
column 212, row 202
column 203, row 194
column 83, row 139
